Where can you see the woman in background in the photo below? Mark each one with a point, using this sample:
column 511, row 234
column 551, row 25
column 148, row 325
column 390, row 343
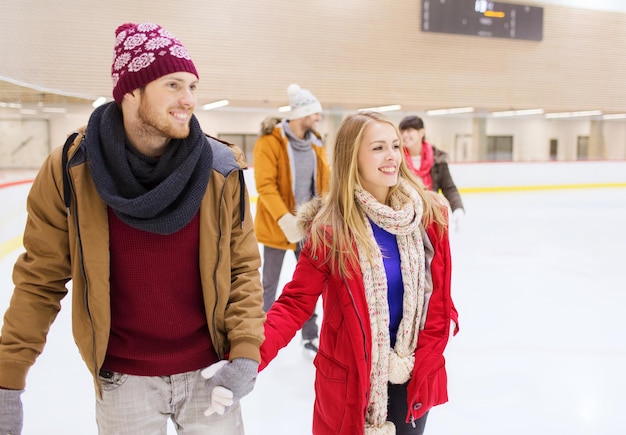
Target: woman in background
column 377, row 252
column 430, row 165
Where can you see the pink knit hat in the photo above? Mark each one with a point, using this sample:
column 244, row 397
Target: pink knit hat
column 143, row 53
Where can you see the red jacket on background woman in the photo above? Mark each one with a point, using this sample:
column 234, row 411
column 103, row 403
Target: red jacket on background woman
column 432, row 166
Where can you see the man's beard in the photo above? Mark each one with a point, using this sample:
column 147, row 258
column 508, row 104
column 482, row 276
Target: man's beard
column 159, row 123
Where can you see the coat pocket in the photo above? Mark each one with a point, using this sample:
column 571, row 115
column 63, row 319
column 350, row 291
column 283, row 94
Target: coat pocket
column 331, row 388
column 433, row 391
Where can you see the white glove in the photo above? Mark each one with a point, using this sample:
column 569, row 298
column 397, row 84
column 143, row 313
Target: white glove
column 457, row 218
column 221, row 397
column 228, row 382
column 289, row 224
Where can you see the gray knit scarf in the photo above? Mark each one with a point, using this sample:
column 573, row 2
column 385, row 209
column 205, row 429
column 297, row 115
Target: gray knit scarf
column 403, row 218
column 297, row 143
column 158, row 195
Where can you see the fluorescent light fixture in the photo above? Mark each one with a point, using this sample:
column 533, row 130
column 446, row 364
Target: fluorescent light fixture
column 99, row 102
column 28, row 111
column 587, row 113
column 452, row 111
column 559, row 115
column 388, row 108
column 54, row 109
column 503, row 113
column 11, row 105
column 284, row 108
column 216, row 104
column 614, row 116
column 573, row 114
column 523, row 112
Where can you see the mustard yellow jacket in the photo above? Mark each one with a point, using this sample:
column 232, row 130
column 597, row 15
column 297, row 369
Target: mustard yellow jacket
column 62, row 244
column 274, row 184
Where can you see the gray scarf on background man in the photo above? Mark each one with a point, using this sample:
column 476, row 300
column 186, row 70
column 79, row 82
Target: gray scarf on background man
column 303, row 161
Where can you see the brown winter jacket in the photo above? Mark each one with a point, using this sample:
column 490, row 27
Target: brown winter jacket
column 274, row 182
column 63, row 244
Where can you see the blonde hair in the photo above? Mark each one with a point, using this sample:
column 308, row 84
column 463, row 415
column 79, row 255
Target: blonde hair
column 340, row 221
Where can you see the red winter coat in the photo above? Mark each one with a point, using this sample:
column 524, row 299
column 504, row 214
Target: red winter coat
column 343, row 364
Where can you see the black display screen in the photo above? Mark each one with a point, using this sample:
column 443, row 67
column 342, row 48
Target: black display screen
column 483, row 18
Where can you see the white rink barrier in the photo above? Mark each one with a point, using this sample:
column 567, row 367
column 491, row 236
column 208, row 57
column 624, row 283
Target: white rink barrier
column 502, row 176
column 514, row 176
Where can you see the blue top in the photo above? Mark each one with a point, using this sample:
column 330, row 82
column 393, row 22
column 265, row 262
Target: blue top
column 395, row 287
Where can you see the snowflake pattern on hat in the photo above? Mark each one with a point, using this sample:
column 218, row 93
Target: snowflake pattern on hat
column 142, row 61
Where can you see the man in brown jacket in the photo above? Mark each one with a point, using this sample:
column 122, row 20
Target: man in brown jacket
column 290, row 168
column 150, row 219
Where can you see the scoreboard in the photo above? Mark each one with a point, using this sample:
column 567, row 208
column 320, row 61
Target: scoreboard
column 483, row 18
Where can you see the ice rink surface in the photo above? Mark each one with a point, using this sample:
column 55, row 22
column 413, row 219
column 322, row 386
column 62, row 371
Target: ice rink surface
column 539, row 280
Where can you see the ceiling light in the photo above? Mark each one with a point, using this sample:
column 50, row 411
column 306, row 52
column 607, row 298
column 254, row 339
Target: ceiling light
column 389, row 108
column 99, row 102
column 614, row 116
column 587, row 113
column 573, row 114
column 216, row 104
column 503, row 113
column 559, row 115
column 452, row 111
column 54, row 109
column 284, row 108
column 11, row 105
column 523, row 112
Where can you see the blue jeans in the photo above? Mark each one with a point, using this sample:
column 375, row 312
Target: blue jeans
column 142, row 405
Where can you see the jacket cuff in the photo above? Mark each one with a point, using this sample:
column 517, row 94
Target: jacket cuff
column 13, row 375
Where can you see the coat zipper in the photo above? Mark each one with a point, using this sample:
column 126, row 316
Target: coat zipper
column 366, row 355
column 217, row 346
column 82, row 264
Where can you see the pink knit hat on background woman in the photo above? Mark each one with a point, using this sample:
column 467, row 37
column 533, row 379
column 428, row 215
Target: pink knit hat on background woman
column 143, row 53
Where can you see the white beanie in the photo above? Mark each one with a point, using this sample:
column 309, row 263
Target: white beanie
column 302, row 102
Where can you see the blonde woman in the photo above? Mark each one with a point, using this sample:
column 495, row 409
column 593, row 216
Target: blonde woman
column 377, row 252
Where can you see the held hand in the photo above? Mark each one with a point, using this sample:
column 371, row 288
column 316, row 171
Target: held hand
column 220, row 396
column 457, row 218
column 11, row 412
column 289, row 224
column 228, row 382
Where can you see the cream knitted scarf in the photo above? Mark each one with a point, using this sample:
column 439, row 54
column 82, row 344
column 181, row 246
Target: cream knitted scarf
column 402, row 218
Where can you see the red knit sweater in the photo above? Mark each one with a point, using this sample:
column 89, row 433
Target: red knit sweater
column 158, row 322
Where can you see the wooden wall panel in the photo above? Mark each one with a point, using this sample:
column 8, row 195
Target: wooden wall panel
column 349, row 53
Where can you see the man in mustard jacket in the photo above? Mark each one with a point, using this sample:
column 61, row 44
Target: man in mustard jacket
column 290, row 168
column 150, row 219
